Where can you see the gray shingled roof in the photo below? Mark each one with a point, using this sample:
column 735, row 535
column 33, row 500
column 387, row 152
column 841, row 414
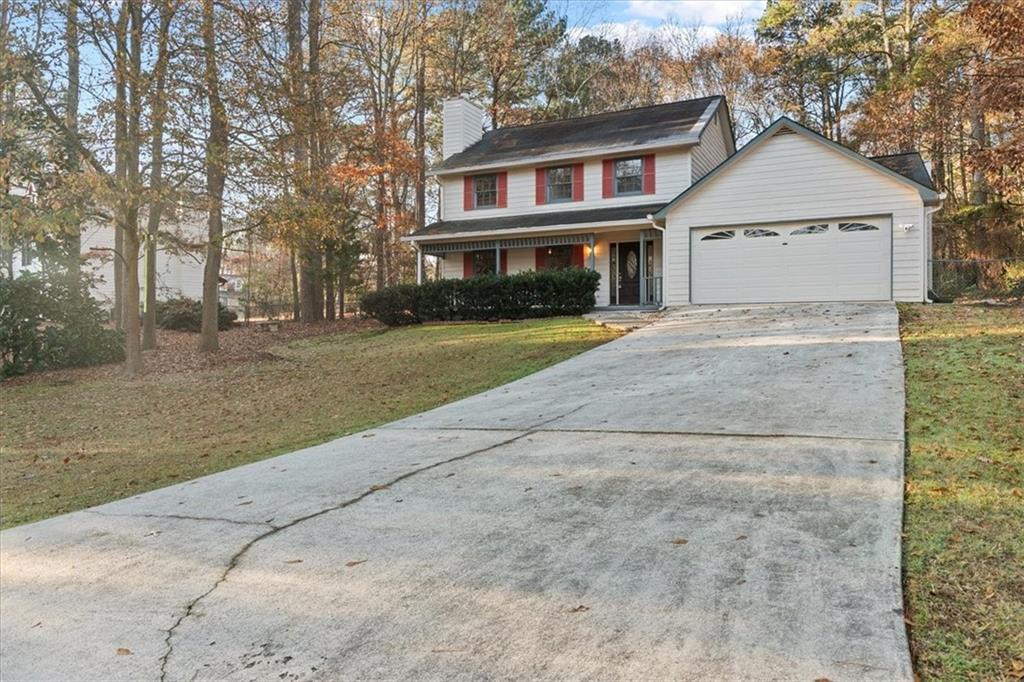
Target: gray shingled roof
column 591, row 215
column 907, row 164
column 640, row 126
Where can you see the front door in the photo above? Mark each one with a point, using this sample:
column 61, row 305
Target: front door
column 629, row 273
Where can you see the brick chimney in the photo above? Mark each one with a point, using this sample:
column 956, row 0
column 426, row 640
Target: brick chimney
column 463, row 125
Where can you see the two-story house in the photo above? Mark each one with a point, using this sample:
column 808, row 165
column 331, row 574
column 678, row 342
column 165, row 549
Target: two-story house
column 658, row 200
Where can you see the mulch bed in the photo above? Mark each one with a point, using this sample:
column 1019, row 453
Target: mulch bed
column 177, row 352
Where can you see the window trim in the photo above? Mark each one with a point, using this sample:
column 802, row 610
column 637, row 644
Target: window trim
column 476, row 192
column 548, row 199
column 615, row 176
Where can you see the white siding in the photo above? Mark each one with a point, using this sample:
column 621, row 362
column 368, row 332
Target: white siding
column 790, row 178
column 671, row 176
column 710, row 152
column 177, row 274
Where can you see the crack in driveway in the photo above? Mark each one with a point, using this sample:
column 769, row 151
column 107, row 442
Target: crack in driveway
column 273, row 530
column 183, row 517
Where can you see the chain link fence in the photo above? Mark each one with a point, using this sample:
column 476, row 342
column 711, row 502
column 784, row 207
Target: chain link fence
column 977, row 278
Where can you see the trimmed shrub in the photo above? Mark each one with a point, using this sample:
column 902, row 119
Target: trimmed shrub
column 487, row 297
column 43, row 326
column 186, row 315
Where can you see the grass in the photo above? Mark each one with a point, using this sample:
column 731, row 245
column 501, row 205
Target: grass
column 67, row 444
column 964, row 523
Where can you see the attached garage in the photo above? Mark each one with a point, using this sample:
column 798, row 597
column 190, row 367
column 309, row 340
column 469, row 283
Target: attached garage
column 793, row 216
column 846, row 259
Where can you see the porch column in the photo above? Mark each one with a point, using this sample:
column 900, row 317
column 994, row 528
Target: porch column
column 419, row 264
column 643, row 269
column 593, row 263
column 497, row 260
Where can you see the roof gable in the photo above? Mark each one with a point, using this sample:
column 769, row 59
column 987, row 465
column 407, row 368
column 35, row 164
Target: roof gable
column 785, row 125
column 676, row 122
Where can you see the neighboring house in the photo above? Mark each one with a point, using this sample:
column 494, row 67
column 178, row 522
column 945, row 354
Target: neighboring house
column 179, row 260
column 658, row 200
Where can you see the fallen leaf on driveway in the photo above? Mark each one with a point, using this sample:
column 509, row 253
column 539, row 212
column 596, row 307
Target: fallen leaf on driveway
column 124, row 652
column 378, row 487
column 579, row 609
column 741, row 537
column 679, row 541
column 294, row 561
column 242, row 504
column 355, row 562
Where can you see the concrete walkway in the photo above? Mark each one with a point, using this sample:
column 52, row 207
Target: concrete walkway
column 714, row 496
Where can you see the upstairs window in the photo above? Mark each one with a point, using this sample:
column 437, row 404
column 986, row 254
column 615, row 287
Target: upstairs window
column 485, row 191
column 629, row 176
column 559, row 184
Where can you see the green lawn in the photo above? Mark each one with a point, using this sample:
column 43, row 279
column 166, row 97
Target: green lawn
column 67, row 444
column 964, row 525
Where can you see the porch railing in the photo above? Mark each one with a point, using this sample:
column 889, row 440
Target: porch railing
column 652, row 291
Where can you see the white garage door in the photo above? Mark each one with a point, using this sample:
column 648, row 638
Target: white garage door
column 841, row 260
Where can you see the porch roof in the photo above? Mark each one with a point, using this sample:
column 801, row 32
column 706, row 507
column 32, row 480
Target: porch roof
column 585, row 217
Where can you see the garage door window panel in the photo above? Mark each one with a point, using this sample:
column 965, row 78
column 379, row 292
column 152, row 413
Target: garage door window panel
column 810, row 229
column 759, row 232
column 718, row 236
column 857, row 227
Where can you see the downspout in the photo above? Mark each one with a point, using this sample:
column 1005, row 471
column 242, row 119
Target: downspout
column 928, row 213
column 659, row 228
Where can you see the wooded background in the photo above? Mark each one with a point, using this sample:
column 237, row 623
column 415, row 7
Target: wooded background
column 308, row 124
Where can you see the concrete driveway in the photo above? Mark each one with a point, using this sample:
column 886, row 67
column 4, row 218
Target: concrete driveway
column 715, row 496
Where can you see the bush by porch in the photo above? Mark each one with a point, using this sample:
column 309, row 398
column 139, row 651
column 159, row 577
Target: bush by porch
column 487, row 297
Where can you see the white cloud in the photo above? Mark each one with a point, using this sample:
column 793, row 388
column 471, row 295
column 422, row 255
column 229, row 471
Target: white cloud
column 635, row 32
column 706, row 12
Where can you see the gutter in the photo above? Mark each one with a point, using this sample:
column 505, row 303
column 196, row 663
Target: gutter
column 686, row 140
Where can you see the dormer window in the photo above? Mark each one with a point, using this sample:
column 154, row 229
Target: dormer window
column 485, row 191
column 629, row 176
column 559, row 184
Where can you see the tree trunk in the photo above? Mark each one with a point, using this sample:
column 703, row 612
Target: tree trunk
column 979, row 137
column 420, row 133
column 120, row 159
column 329, row 278
column 133, row 346
column 156, row 153
column 883, row 18
column 342, row 279
column 296, row 307
column 71, row 96
column 216, row 159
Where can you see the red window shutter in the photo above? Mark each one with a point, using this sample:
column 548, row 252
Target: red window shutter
column 541, row 182
column 649, row 174
column 577, row 256
column 504, row 262
column 607, row 178
column 502, row 190
column 467, row 193
column 577, row 182
column 539, row 258
column 467, row 265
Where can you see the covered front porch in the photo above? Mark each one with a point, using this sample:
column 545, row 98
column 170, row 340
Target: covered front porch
column 629, row 260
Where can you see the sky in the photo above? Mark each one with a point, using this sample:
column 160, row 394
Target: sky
column 631, row 20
